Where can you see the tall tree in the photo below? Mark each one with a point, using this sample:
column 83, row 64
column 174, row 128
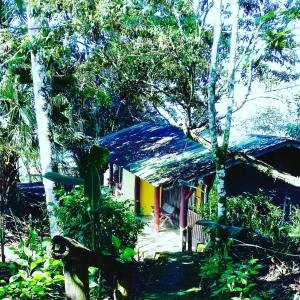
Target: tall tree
column 42, row 112
column 220, row 148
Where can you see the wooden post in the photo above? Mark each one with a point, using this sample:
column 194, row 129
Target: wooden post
column 75, row 267
column 184, row 234
column 156, row 208
column 183, row 207
column 77, row 259
column 189, row 238
column 137, row 188
column 111, row 177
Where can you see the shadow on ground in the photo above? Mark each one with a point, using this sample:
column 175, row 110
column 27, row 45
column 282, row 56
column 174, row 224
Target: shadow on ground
column 171, row 276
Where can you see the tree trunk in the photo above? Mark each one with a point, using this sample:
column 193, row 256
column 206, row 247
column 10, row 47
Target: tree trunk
column 39, row 78
column 218, row 154
column 221, row 153
column 221, row 189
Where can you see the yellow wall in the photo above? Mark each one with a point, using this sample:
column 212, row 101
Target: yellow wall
column 146, row 197
column 198, row 196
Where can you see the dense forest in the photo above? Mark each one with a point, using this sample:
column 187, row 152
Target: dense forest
column 96, row 95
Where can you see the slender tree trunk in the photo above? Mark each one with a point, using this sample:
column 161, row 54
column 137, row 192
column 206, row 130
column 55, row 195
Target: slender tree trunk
column 217, row 151
column 41, row 104
column 220, row 151
column 221, row 154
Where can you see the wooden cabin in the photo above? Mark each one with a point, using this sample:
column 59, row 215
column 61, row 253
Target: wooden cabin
column 157, row 164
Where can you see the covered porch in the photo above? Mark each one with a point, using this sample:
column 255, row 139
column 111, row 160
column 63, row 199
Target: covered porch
column 151, row 243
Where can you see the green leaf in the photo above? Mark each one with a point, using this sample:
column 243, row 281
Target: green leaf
column 38, row 275
column 270, row 15
column 63, row 179
column 36, row 262
column 26, row 117
column 129, row 252
column 59, row 277
column 253, row 261
column 55, row 262
column 93, row 284
column 22, row 262
column 23, row 274
column 14, row 278
column 116, row 241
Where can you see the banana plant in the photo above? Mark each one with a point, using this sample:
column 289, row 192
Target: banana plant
column 96, row 162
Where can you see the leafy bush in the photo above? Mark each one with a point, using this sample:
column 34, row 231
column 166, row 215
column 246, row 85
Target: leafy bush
column 116, row 229
column 34, row 274
column 293, row 228
column 116, row 225
column 262, row 221
column 222, row 278
column 256, row 213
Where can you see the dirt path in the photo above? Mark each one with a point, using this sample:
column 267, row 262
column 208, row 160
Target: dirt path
column 171, row 276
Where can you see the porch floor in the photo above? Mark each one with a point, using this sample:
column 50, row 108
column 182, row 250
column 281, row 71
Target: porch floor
column 151, row 242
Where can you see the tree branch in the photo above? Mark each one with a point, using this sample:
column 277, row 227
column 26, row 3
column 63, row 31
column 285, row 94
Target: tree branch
column 199, row 139
column 267, row 169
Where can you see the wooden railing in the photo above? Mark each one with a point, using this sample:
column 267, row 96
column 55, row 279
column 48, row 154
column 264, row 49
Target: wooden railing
column 77, row 259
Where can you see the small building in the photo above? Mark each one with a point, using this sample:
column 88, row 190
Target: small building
column 157, row 164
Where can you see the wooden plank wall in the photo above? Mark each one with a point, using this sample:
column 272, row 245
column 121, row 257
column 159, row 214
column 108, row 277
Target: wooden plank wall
column 198, row 232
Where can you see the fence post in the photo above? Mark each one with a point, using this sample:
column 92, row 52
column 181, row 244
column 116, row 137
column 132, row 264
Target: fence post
column 184, row 235
column 189, row 238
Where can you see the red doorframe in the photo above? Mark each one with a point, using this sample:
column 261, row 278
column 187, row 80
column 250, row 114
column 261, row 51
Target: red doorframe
column 185, row 195
column 137, row 189
column 156, row 208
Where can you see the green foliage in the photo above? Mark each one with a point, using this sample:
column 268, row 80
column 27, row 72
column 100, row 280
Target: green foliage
column 254, row 212
column 293, row 228
column 255, row 219
column 116, row 225
column 222, row 278
column 125, row 253
column 34, row 274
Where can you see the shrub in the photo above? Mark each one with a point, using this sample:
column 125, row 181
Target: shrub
column 116, row 225
column 222, row 278
column 116, row 229
column 294, row 227
column 34, row 274
column 254, row 212
column 262, row 221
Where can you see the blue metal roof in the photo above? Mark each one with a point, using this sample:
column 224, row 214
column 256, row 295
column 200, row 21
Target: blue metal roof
column 162, row 154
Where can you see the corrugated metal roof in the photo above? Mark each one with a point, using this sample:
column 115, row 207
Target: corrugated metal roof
column 162, row 154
